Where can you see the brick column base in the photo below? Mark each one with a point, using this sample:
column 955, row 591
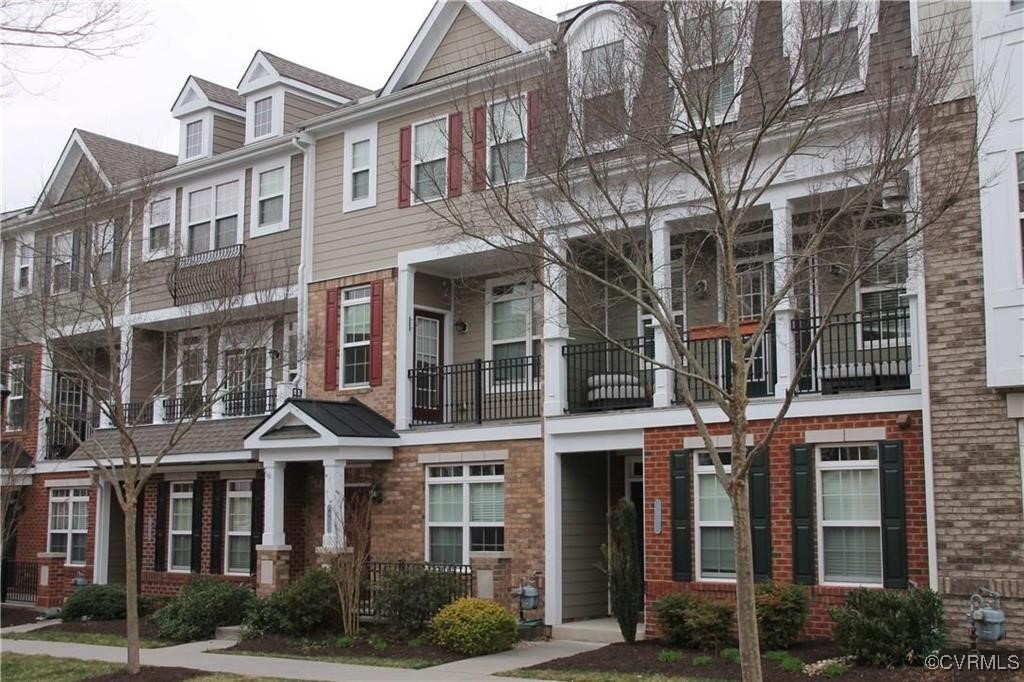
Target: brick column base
column 492, row 579
column 51, row 588
column 271, row 568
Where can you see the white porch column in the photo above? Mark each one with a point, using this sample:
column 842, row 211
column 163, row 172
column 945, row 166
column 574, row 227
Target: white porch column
column 159, row 412
column 334, row 504
column 45, row 393
column 125, row 360
column 273, row 504
column 661, row 258
column 782, row 248
column 404, row 349
column 556, row 330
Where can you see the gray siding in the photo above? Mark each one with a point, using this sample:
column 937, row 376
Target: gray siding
column 584, row 530
column 228, row 134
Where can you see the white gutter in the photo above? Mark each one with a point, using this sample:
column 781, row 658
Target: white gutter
column 305, row 143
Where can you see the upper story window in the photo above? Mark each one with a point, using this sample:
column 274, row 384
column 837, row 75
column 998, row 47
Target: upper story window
column 263, row 117
column 270, row 195
column 515, row 327
column 360, row 167
column 360, row 174
column 879, row 292
column 17, row 380
column 849, row 515
column 213, row 217
column 833, row 45
column 506, row 141
column 291, row 353
column 716, row 551
column 103, row 237
column 603, row 105
column 194, row 139
column 61, row 254
column 430, row 159
column 157, row 237
column 355, row 336
column 23, row 260
column 191, row 373
column 703, row 50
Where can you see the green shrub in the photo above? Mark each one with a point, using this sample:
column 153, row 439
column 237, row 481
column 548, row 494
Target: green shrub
column 672, row 611
column 781, row 613
column 835, row 669
column 622, row 566
column 409, row 597
column 344, row 642
column 95, row 602
column 695, row 623
column 889, row 628
column 376, row 642
column 792, row 664
column 731, row 655
column 308, row 606
column 670, row 656
column 701, row 660
column 203, row 605
column 474, row 627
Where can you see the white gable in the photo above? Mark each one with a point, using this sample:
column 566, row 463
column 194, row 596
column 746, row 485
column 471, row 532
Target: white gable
column 259, row 75
column 74, row 151
column 192, row 99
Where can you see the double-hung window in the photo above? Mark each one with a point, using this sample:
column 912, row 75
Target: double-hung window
column 360, row 172
column 158, row 227
column 238, row 531
column 831, row 45
column 192, row 369
column 263, row 117
column 465, row 511
column 63, row 247
column 270, row 198
column 193, row 139
column 716, row 549
column 355, row 336
column 245, row 382
column 213, row 217
column 16, row 384
column 709, row 71
column 879, row 292
column 751, row 284
column 23, row 265
column 506, row 150
column 430, row 159
column 103, row 237
column 69, row 523
column 179, row 556
column 603, row 101
column 849, row 514
column 515, row 326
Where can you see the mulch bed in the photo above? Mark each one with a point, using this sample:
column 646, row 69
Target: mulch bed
column 328, row 647
column 151, row 674
column 642, row 658
column 147, row 630
column 17, row 615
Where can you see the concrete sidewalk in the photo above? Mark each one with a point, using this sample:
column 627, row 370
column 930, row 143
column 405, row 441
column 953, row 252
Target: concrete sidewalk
column 194, row 655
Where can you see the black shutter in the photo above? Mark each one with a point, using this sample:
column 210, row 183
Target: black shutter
column 682, row 562
column 197, row 526
column 76, row 259
column 116, row 251
column 162, row 502
column 217, row 527
column 803, row 515
column 48, row 267
column 257, row 520
column 894, row 521
column 760, row 516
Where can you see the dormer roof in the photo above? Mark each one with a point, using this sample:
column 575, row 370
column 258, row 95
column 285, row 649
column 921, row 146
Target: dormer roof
column 220, row 94
column 199, row 93
column 266, row 69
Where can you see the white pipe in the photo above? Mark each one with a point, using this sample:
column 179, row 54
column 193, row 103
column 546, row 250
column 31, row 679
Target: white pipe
column 307, row 145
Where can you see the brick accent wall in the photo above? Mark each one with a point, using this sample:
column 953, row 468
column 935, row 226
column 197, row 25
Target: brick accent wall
column 658, row 443
column 979, row 520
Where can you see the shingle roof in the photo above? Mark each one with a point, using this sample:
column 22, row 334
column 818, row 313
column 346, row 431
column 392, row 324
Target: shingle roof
column 217, row 435
column 346, row 418
column 123, row 161
column 317, row 79
column 14, row 456
column 220, row 93
column 533, row 27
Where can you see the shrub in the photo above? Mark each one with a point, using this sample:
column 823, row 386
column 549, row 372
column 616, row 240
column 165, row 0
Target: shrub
column 701, row 660
column 95, row 602
column 474, row 627
column 203, row 605
column 622, row 565
column 305, row 607
column 888, row 628
column 670, row 656
column 409, row 597
column 344, row 642
column 781, row 613
column 792, row 664
column 731, row 655
column 696, row 623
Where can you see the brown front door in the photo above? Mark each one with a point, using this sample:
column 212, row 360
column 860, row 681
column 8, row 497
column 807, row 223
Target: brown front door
column 428, row 358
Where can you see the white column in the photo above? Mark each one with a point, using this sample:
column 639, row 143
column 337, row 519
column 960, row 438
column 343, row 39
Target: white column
column 782, row 248
column 45, row 393
column 403, row 355
column 334, row 504
column 273, row 504
column 661, row 259
column 159, row 412
column 915, row 341
column 125, row 360
column 552, row 534
column 556, row 329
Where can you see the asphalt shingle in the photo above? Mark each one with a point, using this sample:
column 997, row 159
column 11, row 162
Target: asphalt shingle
column 123, row 161
column 315, row 78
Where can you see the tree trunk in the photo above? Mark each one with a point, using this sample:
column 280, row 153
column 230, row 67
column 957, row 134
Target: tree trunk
column 131, row 580
column 746, row 607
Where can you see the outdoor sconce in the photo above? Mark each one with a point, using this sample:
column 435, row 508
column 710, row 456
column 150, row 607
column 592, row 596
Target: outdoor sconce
column 700, row 288
column 461, row 326
column 275, row 354
column 904, row 421
column 376, row 494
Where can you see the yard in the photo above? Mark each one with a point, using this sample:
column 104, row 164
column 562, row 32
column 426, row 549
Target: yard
column 25, row 668
column 101, row 632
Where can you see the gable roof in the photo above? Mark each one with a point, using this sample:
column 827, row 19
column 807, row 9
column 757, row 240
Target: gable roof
column 345, row 419
column 533, row 27
column 221, row 94
column 308, row 76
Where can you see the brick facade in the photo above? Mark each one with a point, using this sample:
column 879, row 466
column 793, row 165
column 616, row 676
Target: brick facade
column 658, row 443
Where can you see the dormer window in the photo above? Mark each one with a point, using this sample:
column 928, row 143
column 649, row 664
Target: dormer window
column 194, row 139
column 603, row 102
column 263, row 117
column 831, row 45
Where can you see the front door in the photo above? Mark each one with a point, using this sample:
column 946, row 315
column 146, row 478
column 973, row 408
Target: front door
column 428, row 354
column 635, row 494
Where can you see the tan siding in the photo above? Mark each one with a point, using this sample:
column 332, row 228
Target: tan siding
column 470, row 307
column 84, row 182
column 228, row 134
column 147, row 364
column 469, row 42
column 940, row 22
column 298, row 109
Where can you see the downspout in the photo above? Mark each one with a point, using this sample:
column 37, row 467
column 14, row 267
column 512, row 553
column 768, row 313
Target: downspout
column 305, row 143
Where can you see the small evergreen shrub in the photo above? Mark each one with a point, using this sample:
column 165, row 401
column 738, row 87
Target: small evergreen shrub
column 792, row 664
column 95, row 602
column 474, row 627
column 701, row 660
column 203, row 605
column 672, row 611
column 696, row 623
column 409, row 597
column 670, row 656
column 308, row 606
column 781, row 613
column 622, row 566
column 344, row 642
column 731, row 655
column 889, row 628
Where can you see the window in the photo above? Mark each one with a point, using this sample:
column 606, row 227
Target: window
column 180, row 555
column 711, row 65
column 751, row 286
column 430, row 159
column 69, row 523
column 515, row 326
column 60, row 262
column 213, row 217
column 832, row 60
column 603, row 99
column 465, row 511
column 355, row 336
column 263, row 117
column 158, row 227
column 849, row 511
column 192, row 373
column 238, row 536
column 879, row 292
column 1020, row 193
column 506, row 150
column 16, row 401
column 245, row 382
column 193, row 139
column 360, row 170
column 270, row 199
column 23, row 265
column 716, row 551
column 103, row 237
column 359, row 167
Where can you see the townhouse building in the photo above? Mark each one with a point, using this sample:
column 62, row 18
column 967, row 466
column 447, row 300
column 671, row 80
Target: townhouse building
column 490, row 427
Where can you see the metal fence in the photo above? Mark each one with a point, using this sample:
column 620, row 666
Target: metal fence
column 714, row 356
column 461, row 576
column 18, row 581
column 478, row 391
column 609, row 376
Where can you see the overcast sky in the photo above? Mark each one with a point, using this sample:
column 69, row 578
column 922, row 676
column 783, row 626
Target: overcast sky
column 130, row 96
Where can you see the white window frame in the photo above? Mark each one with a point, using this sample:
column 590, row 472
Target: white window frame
column 225, row 345
column 102, row 240
column 367, row 132
column 700, row 470
column 901, row 290
column 212, row 184
column 492, row 142
column 205, row 138
column 204, row 344
column 255, row 229
column 343, row 306
column 276, row 94
column 68, row 260
column 534, row 290
column 465, row 480
column 229, row 495
column 23, row 262
column 413, row 163
column 175, row 493
column 821, row 524
column 70, row 497
column 148, row 252
column 17, row 393
column 264, row 128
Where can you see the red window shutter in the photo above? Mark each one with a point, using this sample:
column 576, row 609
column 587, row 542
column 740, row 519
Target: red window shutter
column 404, row 165
column 533, row 122
column 331, row 342
column 376, row 333
column 479, row 148
column 455, row 154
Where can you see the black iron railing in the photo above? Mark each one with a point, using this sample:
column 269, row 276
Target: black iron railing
column 179, row 408
column 138, row 413
column 248, row 403
column 18, row 581
column 459, row 581
column 714, row 357
column 609, row 376
column 478, row 391
column 65, row 430
column 856, row 352
column 207, row 275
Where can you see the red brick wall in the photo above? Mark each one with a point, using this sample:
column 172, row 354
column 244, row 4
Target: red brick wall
column 658, row 443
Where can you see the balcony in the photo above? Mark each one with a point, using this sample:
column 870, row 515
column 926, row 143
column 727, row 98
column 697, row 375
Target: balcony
column 476, row 392
column 64, row 431
column 602, row 375
column 208, row 275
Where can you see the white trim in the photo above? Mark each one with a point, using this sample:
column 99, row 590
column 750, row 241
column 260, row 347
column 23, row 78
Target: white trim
column 68, row 483
column 211, row 183
column 200, row 101
column 255, row 229
column 470, row 434
column 74, row 150
column 205, row 118
column 698, row 471
column 276, row 96
column 22, row 241
column 473, row 456
column 148, row 253
column 367, row 132
column 171, row 533
column 721, row 442
column 631, row 439
column 414, row 199
column 873, row 433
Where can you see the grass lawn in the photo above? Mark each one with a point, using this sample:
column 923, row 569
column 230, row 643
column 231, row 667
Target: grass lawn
column 26, row 668
column 55, row 634
column 380, row 661
column 593, row 676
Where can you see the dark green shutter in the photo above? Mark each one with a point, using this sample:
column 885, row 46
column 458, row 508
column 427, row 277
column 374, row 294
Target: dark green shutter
column 197, row 527
column 257, row 520
column 894, row 520
column 217, row 527
column 682, row 542
column 760, row 516
column 160, row 550
column 803, row 514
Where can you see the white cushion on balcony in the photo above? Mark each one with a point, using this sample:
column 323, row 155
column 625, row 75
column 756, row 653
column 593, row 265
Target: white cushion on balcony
column 612, row 380
column 633, row 392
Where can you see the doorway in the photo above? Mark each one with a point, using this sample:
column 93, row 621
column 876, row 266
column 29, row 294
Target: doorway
column 428, row 359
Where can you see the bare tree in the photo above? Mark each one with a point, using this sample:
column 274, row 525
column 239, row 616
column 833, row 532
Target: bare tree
column 660, row 148
column 346, row 561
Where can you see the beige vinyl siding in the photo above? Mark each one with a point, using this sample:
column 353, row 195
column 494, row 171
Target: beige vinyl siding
column 584, row 530
column 432, row 291
column 228, row 134
column 84, row 182
column 298, row 109
column 937, row 21
column 469, row 42
column 147, row 364
column 471, row 308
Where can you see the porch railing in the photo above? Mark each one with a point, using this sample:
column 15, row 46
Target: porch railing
column 18, row 581
column 602, row 375
column 478, row 391
column 179, row 408
column 248, row 403
column 714, row 356
column 856, row 352
column 460, row 581
column 65, row 431
column 138, row 413
column 207, row 275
